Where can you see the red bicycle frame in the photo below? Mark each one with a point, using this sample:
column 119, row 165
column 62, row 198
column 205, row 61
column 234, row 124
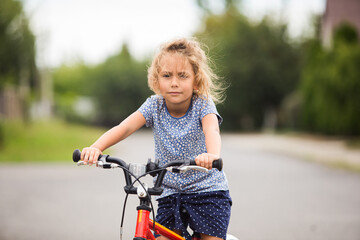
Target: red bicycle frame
column 144, row 225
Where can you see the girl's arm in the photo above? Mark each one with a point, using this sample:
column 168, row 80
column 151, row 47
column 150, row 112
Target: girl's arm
column 113, row 136
column 211, row 130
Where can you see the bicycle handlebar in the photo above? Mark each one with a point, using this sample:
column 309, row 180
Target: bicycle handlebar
column 156, row 190
column 218, row 164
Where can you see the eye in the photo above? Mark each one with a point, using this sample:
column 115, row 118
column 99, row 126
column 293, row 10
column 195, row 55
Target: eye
column 165, row 75
column 183, row 75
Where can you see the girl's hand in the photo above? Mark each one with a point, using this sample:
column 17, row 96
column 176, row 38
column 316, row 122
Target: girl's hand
column 206, row 159
column 90, row 155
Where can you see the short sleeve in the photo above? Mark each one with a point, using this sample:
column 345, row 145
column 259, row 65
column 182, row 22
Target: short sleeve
column 209, row 107
column 146, row 109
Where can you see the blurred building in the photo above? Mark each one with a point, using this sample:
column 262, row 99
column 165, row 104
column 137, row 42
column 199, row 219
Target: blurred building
column 337, row 12
column 15, row 103
column 10, row 104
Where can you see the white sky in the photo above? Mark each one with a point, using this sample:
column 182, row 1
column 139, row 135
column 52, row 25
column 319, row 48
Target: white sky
column 92, row 30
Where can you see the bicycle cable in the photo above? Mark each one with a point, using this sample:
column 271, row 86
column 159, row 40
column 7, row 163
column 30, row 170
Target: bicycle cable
column 137, row 179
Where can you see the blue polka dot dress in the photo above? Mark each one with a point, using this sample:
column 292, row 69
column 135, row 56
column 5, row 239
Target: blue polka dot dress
column 179, row 139
column 204, row 196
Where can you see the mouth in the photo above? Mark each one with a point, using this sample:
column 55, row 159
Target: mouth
column 174, row 93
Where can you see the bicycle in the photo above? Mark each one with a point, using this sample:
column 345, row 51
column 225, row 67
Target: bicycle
column 146, row 228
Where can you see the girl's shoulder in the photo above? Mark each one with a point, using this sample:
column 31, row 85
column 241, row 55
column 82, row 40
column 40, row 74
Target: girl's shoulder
column 155, row 103
column 204, row 105
column 151, row 107
column 156, row 100
column 201, row 102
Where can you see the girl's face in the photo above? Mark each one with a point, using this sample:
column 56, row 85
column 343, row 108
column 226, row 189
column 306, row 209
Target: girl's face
column 176, row 81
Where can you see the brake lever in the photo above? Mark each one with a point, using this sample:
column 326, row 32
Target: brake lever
column 80, row 163
column 197, row 168
column 185, row 168
column 101, row 163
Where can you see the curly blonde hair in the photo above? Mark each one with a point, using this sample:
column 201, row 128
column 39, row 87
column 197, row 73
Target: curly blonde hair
column 206, row 81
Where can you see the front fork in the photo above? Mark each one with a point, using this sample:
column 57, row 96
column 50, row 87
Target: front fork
column 142, row 231
column 144, row 225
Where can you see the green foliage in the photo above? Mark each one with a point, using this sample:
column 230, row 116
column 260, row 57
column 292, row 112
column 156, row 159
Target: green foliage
column 70, row 82
column 117, row 87
column 345, row 33
column 17, row 45
column 2, row 134
column 72, row 79
column 258, row 63
column 330, row 85
column 120, row 87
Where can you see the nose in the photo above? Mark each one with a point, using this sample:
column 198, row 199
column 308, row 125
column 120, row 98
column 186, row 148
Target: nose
column 174, row 82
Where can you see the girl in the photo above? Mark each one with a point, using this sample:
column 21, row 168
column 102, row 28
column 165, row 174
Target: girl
column 185, row 124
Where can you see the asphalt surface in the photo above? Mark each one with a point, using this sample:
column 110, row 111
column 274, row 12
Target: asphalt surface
column 276, row 195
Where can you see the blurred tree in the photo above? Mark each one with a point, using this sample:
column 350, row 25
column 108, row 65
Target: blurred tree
column 17, row 44
column 70, row 82
column 209, row 6
column 17, row 50
column 258, row 63
column 119, row 87
column 330, row 86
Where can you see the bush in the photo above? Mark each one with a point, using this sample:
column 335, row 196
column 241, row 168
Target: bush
column 330, row 86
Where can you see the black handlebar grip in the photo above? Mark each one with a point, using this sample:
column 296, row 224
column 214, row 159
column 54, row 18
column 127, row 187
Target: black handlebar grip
column 76, row 155
column 218, row 164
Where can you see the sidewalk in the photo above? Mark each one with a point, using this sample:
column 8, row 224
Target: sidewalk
column 327, row 151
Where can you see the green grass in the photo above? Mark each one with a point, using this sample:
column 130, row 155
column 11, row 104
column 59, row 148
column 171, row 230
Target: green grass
column 44, row 141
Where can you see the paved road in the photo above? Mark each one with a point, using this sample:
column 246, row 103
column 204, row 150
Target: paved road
column 275, row 197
